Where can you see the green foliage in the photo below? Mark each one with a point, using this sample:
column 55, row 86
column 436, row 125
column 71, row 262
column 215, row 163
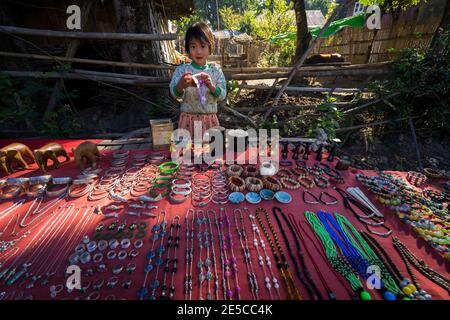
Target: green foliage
column 391, row 5
column 19, row 104
column 328, row 120
column 321, row 5
column 423, row 78
column 230, row 19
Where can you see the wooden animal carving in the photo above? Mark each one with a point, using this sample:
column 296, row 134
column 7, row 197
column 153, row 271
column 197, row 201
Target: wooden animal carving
column 15, row 152
column 86, row 153
column 50, row 151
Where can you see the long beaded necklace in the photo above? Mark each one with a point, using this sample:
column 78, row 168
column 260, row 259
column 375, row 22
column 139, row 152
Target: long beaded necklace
column 278, row 254
column 256, row 233
column 208, row 261
column 305, row 276
column 175, row 260
column 233, row 258
column 337, row 262
column 246, row 252
column 214, row 259
column 410, row 259
column 222, row 257
column 200, row 264
column 189, row 254
column 226, row 262
column 174, row 225
column 404, row 283
column 297, row 227
column 390, row 288
column 159, row 261
column 143, row 291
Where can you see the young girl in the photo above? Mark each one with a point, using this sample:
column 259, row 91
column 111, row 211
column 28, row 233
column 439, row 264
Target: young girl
column 198, row 85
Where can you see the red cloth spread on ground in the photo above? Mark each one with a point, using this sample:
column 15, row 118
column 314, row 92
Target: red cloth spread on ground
column 297, row 207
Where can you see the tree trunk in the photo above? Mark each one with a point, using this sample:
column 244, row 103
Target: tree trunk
column 139, row 16
column 303, row 35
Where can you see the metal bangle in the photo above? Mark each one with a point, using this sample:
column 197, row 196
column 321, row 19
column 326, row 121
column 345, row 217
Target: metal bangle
column 111, row 255
column 122, row 255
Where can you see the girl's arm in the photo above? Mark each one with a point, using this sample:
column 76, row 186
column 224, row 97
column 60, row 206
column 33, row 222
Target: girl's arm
column 176, row 77
column 220, row 83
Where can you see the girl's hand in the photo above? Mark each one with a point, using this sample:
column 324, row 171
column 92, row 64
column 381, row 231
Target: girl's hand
column 207, row 80
column 185, row 81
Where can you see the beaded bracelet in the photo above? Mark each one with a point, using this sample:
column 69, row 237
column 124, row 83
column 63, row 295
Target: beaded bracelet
column 322, row 182
column 271, row 183
column 236, row 184
column 284, row 173
column 250, row 171
column 306, row 182
column 300, row 171
column 254, row 184
column 416, row 178
column 432, row 174
column 289, row 183
column 234, row 170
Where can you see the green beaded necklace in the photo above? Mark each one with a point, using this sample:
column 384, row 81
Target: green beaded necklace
column 366, row 251
column 337, row 262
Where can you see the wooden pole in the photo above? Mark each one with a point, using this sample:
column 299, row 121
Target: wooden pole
column 88, row 35
column 301, row 89
column 86, row 61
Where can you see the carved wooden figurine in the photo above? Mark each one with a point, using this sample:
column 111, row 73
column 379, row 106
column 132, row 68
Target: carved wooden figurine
column 50, row 151
column 15, row 152
column 86, row 153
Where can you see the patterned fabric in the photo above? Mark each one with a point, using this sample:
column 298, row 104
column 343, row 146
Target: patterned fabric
column 190, row 98
column 187, row 122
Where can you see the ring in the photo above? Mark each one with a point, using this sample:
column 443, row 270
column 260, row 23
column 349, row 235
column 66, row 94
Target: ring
column 125, row 243
column 122, row 255
column 111, row 255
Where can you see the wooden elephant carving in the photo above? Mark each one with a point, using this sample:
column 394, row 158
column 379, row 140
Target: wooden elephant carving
column 15, row 153
column 86, row 155
column 50, row 151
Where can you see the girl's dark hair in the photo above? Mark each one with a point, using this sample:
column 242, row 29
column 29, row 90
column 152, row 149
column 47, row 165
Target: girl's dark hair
column 201, row 32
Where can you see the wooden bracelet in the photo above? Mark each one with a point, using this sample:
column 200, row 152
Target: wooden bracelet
column 300, row 172
column 432, row 174
column 306, row 182
column 236, row 184
column 271, row 183
column 250, row 171
column 284, row 173
column 254, row 184
column 234, row 170
column 289, row 183
column 325, row 184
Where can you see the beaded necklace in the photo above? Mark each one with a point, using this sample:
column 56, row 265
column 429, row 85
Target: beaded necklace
column 278, row 254
column 175, row 260
column 175, row 224
column 233, row 259
column 321, row 250
column 226, row 262
column 337, row 262
column 402, row 281
column 410, row 259
column 159, row 261
column 304, row 276
column 214, row 260
column 390, row 288
column 143, row 291
column 222, row 257
column 188, row 254
column 208, row 261
column 246, row 252
column 200, row 264
column 256, row 235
